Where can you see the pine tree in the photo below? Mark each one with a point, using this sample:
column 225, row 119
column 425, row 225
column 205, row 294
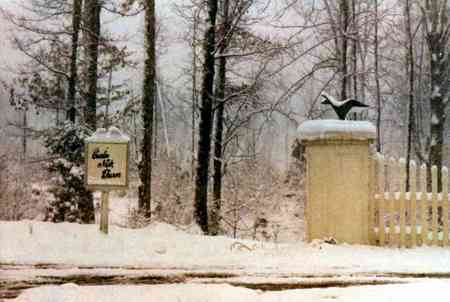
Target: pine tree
column 72, row 201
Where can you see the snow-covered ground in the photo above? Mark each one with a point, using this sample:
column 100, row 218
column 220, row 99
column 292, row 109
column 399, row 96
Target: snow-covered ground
column 164, row 246
column 413, row 292
column 162, row 249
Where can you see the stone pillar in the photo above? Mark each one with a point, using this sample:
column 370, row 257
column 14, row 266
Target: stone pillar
column 339, row 169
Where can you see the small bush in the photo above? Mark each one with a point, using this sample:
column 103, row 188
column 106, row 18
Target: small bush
column 72, row 202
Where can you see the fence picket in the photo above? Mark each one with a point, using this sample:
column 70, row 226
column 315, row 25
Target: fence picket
column 373, row 188
column 412, row 189
column 402, row 207
column 434, row 205
column 445, row 205
column 381, row 201
column 413, row 208
column 423, row 205
column 391, row 198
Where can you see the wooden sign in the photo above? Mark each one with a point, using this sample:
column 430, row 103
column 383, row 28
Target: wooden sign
column 107, row 160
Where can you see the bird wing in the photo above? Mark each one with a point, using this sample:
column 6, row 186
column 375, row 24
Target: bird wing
column 354, row 103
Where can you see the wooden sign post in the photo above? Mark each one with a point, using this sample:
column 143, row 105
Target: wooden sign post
column 106, row 158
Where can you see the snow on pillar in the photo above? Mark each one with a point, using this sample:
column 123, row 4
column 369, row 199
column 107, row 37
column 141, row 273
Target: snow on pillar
column 338, row 173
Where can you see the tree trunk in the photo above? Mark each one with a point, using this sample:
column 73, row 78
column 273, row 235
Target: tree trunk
column 437, row 37
column 419, row 132
column 61, row 94
column 194, row 91
column 148, row 100
column 354, row 50
column 206, row 121
column 437, row 108
column 92, row 31
column 377, row 79
column 220, row 95
column 218, row 158
column 344, row 11
column 108, row 98
column 24, row 135
column 155, row 131
column 218, row 142
column 363, row 46
column 72, row 82
column 411, row 110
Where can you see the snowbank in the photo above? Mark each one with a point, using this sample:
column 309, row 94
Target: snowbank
column 420, row 291
column 336, row 129
column 164, row 246
column 159, row 245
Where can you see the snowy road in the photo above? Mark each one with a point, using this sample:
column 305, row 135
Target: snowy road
column 14, row 279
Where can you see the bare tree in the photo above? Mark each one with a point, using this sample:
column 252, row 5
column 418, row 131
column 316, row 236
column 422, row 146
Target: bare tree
column 206, row 120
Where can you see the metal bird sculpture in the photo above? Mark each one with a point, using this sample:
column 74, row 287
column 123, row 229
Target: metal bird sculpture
column 341, row 107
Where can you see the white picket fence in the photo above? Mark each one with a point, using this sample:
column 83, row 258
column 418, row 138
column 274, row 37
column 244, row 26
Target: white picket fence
column 408, row 219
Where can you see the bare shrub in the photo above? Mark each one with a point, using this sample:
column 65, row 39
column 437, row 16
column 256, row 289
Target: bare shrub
column 22, row 194
column 171, row 195
column 262, row 203
column 172, row 192
column 259, row 202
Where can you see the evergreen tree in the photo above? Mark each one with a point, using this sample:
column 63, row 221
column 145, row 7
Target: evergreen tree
column 53, row 78
column 73, row 202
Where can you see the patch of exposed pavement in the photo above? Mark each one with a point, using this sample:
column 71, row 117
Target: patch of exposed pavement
column 16, row 278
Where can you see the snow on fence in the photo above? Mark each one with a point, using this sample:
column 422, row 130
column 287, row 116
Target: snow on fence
column 413, row 218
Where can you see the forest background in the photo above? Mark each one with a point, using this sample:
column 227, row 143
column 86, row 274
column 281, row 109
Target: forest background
column 211, row 94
